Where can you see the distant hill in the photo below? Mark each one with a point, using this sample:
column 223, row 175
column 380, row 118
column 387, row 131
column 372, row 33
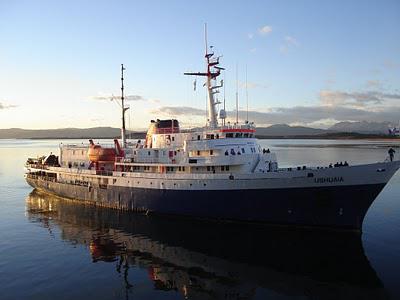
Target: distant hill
column 65, row 133
column 362, row 127
column 286, row 130
column 340, row 130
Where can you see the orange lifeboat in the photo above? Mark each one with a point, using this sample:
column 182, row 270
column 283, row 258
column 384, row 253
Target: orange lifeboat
column 96, row 153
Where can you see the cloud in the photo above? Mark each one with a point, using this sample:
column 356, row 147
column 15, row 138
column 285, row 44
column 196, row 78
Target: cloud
column 373, row 83
column 291, row 41
column 112, row 97
column 288, row 42
column 250, row 36
column 265, row 30
column 6, row 106
column 178, row 111
column 252, row 85
column 296, row 115
column 390, row 64
column 334, row 98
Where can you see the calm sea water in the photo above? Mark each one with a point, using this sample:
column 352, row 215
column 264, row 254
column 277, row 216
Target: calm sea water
column 60, row 249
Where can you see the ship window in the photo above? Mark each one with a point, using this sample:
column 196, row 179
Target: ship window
column 222, row 168
column 229, row 135
column 183, row 168
column 245, row 135
column 217, row 136
column 211, row 152
column 208, row 168
column 238, row 134
column 148, row 153
column 174, row 152
column 173, row 138
column 243, row 150
column 227, row 168
column 179, row 169
column 226, row 152
column 192, row 161
column 204, row 184
column 198, row 137
column 233, row 152
column 212, row 136
column 198, row 152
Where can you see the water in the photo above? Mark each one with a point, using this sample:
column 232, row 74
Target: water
column 52, row 248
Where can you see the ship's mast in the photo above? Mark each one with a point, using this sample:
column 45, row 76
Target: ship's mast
column 213, row 71
column 123, row 129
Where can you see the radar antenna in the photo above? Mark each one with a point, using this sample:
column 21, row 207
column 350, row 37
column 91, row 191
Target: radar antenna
column 212, row 72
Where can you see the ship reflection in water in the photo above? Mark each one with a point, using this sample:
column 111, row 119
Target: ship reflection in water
column 210, row 260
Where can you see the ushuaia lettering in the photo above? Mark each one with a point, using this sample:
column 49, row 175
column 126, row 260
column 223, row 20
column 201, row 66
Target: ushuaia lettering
column 328, row 180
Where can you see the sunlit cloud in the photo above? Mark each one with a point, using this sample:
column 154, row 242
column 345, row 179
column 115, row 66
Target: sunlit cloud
column 291, row 40
column 177, row 111
column 335, row 106
column 265, row 30
column 373, row 83
column 334, row 98
column 6, row 106
column 288, row 42
column 113, row 97
column 252, row 85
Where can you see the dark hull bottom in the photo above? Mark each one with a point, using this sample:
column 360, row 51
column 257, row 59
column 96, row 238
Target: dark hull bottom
column 338, row 207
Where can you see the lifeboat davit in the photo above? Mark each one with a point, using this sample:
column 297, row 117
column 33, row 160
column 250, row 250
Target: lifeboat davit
column 96, row 153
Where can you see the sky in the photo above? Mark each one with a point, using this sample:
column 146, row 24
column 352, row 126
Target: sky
column 310, row 63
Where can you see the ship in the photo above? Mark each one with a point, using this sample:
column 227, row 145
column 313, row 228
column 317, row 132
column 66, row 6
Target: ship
column 217, row 172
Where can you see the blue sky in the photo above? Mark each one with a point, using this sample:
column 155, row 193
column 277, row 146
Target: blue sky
column 308, row 62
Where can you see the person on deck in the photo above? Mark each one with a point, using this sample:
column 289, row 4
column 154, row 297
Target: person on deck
column 391, row 153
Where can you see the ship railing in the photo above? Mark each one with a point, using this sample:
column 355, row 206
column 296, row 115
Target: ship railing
column 36, row 166
column 86, row 145
column 238, row 126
